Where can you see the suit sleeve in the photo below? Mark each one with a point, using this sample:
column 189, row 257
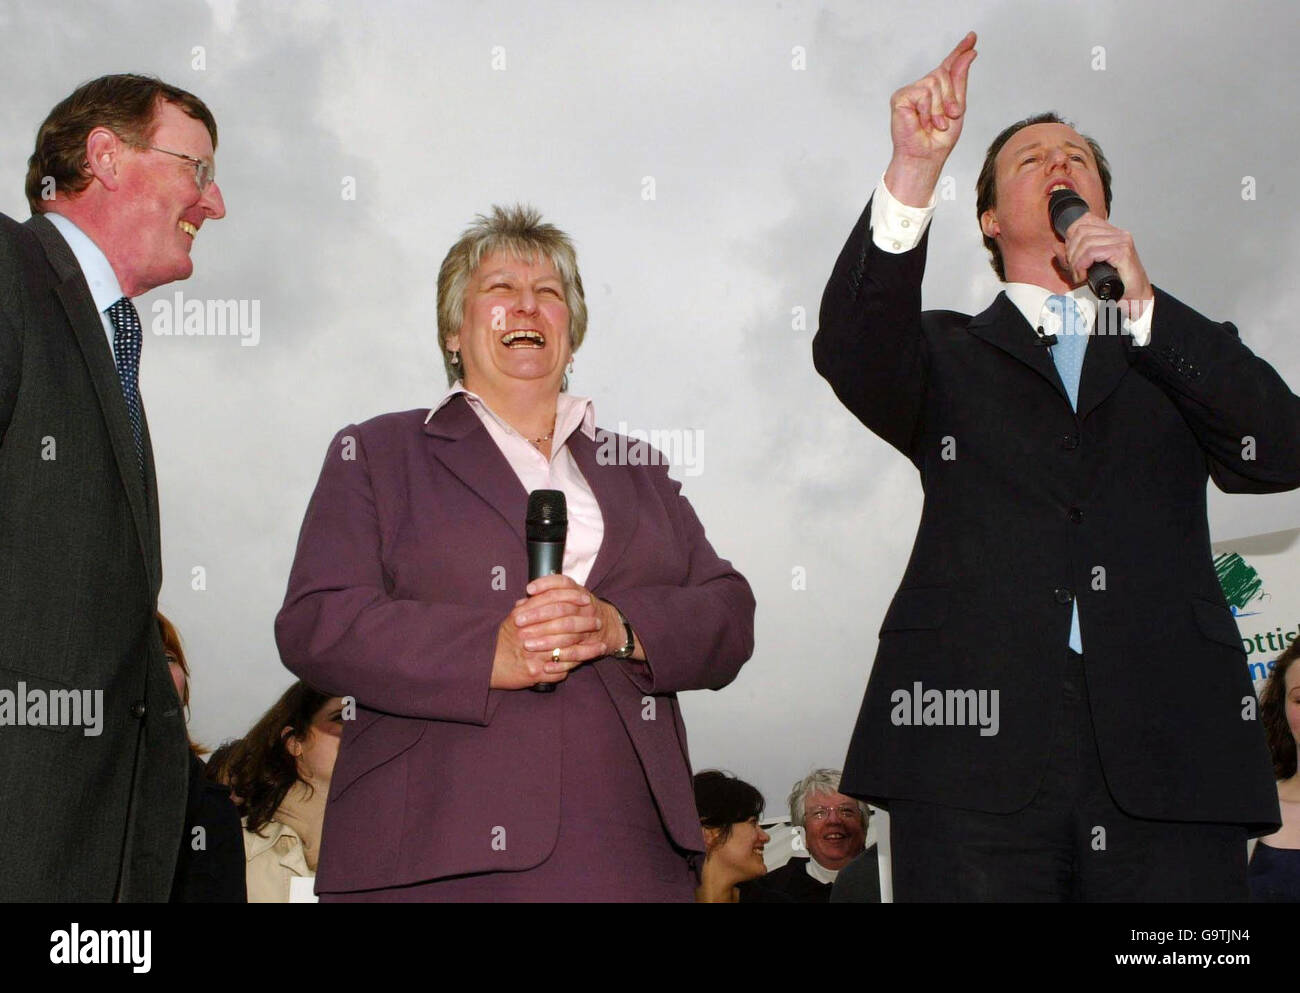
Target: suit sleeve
column 1243, row 415
column 697, row 635
column 341, row 631
column 869, row 344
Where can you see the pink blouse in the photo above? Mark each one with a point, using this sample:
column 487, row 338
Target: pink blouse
column 559, row 472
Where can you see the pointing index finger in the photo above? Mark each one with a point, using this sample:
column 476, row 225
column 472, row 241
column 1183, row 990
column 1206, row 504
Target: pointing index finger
column 965, row 45
column 959, row 73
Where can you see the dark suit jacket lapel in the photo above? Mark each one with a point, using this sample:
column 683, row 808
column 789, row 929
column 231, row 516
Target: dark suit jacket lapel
column 614, row 491
column 462, row 444
column 74, row 295
column 1104, row 365
column 151, row 497
column 1004, row 326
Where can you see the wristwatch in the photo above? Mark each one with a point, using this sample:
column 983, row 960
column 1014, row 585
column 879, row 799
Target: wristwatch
column 630, row 645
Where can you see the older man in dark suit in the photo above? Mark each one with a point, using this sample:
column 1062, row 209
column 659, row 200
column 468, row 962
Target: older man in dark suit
column 834, row 834
column 92, row 739
column 1059, row 708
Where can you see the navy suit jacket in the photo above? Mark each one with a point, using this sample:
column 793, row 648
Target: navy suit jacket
column 1031, row 506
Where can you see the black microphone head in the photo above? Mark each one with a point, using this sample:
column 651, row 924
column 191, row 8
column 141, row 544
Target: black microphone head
column 548, row 516
column 1064, row 207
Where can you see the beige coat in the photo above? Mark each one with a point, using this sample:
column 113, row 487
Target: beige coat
column 273, row 858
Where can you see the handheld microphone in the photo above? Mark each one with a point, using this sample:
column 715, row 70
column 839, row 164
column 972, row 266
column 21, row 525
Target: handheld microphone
column 545, row 528
column 1065, row 206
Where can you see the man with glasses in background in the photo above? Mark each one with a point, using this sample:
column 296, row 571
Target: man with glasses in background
column 834, row 830
column 93, row 750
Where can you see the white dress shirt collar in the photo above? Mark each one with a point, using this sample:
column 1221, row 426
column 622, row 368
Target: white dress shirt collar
column 1031, row 301
column 105, row 290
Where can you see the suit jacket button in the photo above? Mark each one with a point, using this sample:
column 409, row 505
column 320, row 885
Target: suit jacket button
column 1075, row 515
column 138, row 710
column 1070, row 442
column 1063, row 595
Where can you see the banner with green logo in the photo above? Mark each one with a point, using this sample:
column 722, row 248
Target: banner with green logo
column 1260, row 576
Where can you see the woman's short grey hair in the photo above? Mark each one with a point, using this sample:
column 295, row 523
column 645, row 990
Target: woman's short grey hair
column 817, row 781
column 518, row 231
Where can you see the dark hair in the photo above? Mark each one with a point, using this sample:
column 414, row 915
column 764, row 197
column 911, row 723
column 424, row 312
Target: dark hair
column 126, row 104
column 722, row 800
column 218, row 767
column 171, row 641
column 1272, row 711
column 260, row 769
column 986, row 189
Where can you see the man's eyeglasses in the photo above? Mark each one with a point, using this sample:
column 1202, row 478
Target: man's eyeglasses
column 846, row 813
column 204, row 171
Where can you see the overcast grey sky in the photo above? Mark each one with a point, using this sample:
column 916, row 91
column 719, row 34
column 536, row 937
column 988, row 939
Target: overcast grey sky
column 760, row 169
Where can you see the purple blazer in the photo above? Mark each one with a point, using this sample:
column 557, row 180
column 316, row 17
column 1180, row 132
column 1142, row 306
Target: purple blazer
column 411, row 554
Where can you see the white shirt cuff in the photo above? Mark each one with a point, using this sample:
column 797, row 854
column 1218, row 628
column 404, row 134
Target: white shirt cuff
column 1141, row 328
column 896, row 227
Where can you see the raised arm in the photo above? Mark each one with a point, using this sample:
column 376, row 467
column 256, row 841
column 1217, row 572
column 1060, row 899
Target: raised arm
column 869, row 345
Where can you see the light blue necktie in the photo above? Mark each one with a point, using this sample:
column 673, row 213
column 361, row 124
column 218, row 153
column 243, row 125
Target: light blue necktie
column 1067, row 353
column 1071, row 341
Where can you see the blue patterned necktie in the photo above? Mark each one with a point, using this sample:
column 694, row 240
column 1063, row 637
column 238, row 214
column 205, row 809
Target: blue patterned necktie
column 127, row 338
column 1071, row 342
column 1067, row 353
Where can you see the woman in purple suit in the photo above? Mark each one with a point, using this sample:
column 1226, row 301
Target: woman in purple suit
column 410, row 593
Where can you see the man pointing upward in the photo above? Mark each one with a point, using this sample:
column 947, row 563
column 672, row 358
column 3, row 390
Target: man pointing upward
column 1063, row 557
